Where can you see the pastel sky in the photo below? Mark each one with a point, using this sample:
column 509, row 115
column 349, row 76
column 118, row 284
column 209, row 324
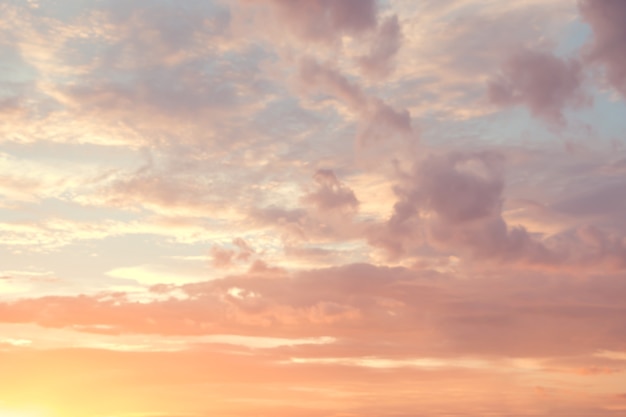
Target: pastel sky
column 312, row 208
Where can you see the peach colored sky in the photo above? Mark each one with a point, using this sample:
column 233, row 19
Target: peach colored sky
column 315, row 208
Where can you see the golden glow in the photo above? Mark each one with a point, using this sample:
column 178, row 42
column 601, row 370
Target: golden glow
column 22, row 413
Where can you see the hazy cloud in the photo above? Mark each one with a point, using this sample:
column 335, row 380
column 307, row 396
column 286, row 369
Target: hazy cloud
column 606, row 18
column 544, row 83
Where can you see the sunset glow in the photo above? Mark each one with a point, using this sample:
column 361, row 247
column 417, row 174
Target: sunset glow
column 312, row 208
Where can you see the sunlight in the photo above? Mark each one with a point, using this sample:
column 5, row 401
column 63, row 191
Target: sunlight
column 21, row 413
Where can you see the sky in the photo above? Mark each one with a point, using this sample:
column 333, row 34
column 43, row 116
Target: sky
column 312, row 208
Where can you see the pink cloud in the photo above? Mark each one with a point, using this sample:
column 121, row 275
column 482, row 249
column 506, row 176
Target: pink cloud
column 379, row 120
column 325, row 20
column 606, row 18
column 10, row 105
column 225, row 257
column 313, row 74
column 331, row 194
column 485, row 259
column 601, row 247
column 544, row 83
column 416, row 313
column 378, row 62
column 141, row 34
column 461, row 187
column 454, row 202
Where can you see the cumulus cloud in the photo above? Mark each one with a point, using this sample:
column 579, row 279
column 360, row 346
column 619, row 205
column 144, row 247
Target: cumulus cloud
column 454, row 202
column 606, row 18
column 461, row 187
column 464, row 193
column 544, row 83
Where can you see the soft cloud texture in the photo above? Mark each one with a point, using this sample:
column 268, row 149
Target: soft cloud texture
column 331, row 194
column 323, row 20
column 544, row 83
column 312, row 208
column 606, row 18
column 380, row 121
column 379, row 61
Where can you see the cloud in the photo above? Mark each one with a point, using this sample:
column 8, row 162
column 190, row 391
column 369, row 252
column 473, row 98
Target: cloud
column 461, row 187
column 10, row 106
column 144, row 34
column 379, row 120
column 378, row 62
column 449, row 50
column 464, row 193
column 324, row 216
column 601, row 247
column 154, row 94
column 596, row 203
column 331, row 194
column 325, row 20
column 417, row 313
column 224, row 257
column 211, row 193
column 315, row 75
column 544, row 83
column 606, row 18
column 158, row 191
column 454, row 202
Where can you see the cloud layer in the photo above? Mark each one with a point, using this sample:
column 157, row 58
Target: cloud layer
column 312, row 208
